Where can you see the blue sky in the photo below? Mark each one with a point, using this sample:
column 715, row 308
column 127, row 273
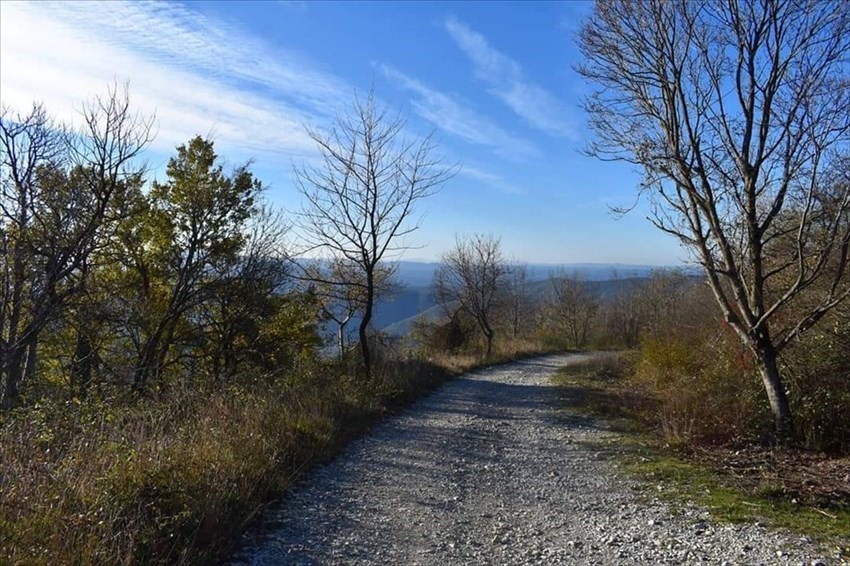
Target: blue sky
column 492, row 80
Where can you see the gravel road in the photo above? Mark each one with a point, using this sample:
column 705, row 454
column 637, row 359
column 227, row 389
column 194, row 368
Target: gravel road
column 482, row 471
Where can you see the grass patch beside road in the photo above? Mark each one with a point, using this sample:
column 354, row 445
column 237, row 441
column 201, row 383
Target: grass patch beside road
column 794, row 489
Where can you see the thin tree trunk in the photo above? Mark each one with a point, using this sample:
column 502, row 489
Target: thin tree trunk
column 779, row 405
column 341, row 340
column 81, row 364
column 12, row 371
column 31, row 359
column 230, row 356
column 224, row 358
column 217, row 363
column 146, row 361
column 364, row 324
column 488, row 333
column 516, row 316
column 3, row 376
column 152, row 358
column 364, row 342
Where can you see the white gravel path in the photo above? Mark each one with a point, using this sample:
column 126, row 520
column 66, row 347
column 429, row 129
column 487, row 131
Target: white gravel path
column 482, row 472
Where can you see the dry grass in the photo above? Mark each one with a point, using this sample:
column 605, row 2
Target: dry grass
column 503, row 351
column 176, row 479
column 798, row 489
column 152, row 482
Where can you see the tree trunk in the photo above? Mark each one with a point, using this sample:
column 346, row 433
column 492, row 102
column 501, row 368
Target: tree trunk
column 151, row 360
column 516, row 316
column 13, row 373
column 81, row 364
column 141, row 372
column 364, row 347
column 775, row 391
column 231, row 359
column 217, row 363
column 146, row 362
column 224, row 358
column 488, row 333
column 364, row 324
column 31, row 359
column 340, row 336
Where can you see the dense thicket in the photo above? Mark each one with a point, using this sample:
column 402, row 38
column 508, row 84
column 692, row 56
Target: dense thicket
column 153, row 358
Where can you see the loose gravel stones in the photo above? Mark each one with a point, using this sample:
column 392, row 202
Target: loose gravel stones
column 482, row 472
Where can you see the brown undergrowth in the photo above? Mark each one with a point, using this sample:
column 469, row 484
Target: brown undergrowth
column 111, row 480
column 736, row 479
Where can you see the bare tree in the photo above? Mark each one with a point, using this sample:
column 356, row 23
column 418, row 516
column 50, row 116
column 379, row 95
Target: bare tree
column 573, row 306
column 622, row 318
column 621, row 313
column 359, row 204
column 660, row 299
column 518, row 300
column 738, row 113
column 56, row 191
column 342, row 292
column 470, row 278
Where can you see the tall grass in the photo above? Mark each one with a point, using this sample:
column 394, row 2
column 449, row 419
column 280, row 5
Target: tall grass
column 174, row 480
column 154, row 481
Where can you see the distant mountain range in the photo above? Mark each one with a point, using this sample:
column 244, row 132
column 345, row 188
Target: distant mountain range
column 415, row 297
column 421, row 273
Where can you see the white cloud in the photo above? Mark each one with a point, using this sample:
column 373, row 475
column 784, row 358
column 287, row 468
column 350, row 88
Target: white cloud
column 536, row 105
column 491, row 179
column 198, row 75
column 447, row 113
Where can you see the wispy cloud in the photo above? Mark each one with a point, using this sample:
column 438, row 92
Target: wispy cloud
column 506, row 79
column 491, row 179
column 451, row 115
column 197, row 74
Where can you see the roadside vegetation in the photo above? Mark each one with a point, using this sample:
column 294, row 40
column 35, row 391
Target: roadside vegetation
column 695, row 425
column 738, row 118
column 111, row 479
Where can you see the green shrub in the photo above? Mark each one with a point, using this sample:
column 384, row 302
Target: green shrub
column 817, row 373
column 704, row 389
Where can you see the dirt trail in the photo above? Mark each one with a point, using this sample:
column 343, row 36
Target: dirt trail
column 483, row 472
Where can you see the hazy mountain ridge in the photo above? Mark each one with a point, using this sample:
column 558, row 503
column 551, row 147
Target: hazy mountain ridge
column 421, row 273
column 395, row 315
